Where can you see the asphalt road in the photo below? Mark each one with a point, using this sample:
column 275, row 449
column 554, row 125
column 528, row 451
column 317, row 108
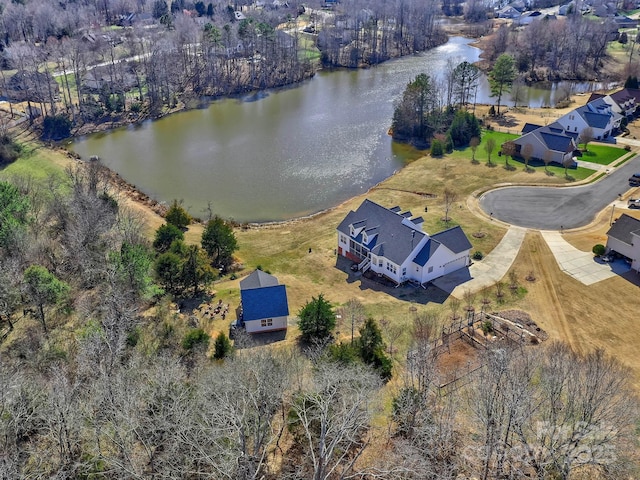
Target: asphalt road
column 553, row 208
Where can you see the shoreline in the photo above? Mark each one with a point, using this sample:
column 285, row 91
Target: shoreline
column 519, row 115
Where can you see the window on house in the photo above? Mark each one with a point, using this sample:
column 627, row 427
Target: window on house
column 392, row 268
column 365, row 238
column 575, row 129
column 266, row 322
column 380, row 262
column 404, row 272
column 430, row 270
column 343, row 239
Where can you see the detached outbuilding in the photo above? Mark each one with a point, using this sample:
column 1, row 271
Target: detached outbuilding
column 264, row 306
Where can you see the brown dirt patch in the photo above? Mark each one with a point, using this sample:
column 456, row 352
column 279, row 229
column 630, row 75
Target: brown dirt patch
column 601, row 315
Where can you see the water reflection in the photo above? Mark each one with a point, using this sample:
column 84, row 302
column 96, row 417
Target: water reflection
column 279, row 154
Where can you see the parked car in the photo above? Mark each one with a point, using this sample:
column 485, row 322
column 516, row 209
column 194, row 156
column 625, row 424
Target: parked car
column 634, row 203
column 634, row 180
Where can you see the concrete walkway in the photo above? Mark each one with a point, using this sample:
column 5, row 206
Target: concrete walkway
column 580, row 265
column 488, row 271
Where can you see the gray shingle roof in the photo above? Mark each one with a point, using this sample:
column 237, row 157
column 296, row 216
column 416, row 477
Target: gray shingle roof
column 595, row 120
column 395, row 240
column 258, row 279
column 454, row 239
column 530, row 127
column 623, row 228
column 555, row 142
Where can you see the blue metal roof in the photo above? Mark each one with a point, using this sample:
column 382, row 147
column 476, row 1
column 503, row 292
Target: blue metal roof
column 266, row 302
column 426, row 252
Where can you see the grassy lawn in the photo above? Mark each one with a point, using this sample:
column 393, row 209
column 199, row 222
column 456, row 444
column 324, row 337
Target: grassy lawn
column 37, row 163
column 554, row 173
column 602, row 154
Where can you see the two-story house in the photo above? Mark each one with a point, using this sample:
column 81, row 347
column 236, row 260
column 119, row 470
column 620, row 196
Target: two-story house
column 392, row 244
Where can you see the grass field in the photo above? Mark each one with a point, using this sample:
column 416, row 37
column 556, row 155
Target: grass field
column 602, row 154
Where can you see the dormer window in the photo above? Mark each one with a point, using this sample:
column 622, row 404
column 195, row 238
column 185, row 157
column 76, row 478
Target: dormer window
column 365, row 237
column 352, row 230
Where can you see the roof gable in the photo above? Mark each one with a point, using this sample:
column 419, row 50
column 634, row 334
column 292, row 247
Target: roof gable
column 454, row 239
column 258, row 279
column 557, row 143
column 397, row 236
column 530, row 127
column 265, row 302
column 426, row 252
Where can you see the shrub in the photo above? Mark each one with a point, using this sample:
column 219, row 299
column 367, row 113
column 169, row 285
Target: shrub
column 195, row 337
column 599, row 249
column 221, row 347
column 477, row 255
column 487, row 327
column 448, row 146
column 9, row 150
column 56, row 127
column 344, row 353
column 437, row 148
column 627, row 148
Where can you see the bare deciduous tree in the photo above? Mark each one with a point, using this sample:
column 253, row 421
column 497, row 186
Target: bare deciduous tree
column 332, row 416
column 527, row 153
column 353, row 312
column 449, row 197
column 586, row 136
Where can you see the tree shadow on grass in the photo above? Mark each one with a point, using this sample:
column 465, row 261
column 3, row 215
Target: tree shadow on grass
column 509, row 167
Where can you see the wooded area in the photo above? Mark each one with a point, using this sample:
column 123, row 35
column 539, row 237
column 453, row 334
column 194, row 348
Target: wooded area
column 101, row 378
column 91, row 61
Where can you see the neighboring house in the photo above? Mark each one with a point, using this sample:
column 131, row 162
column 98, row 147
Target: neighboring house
column 597, row 115
column 28, row 86
column 264, row 306
column 551, row 140
column 528, row 17
column 391, row 243
column 624, row 238
column 623, row 21
column 627, row 100
column 508, row 12
column 115, row 79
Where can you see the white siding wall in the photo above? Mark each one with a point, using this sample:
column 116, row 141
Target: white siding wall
column 620, row 247
column 343, row 242
column 266, row 325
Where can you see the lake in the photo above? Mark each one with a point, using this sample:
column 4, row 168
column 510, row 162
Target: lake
column 279, row 154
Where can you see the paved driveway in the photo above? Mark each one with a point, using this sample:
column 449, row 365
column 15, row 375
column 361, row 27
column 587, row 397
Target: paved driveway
column 554, row 208
column 582, row 266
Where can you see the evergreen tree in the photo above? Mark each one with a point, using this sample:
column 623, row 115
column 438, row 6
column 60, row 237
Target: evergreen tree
column 317, row 319
column 464, row 127
column 221, row 347
column 502, row 76
column 177, row 215
column 165, row 236
column 219, row 241
column 372, row 347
